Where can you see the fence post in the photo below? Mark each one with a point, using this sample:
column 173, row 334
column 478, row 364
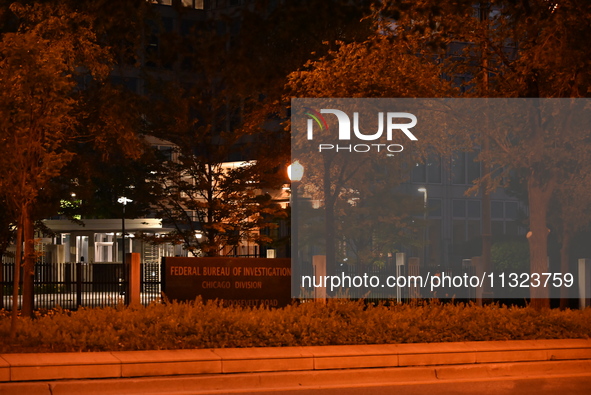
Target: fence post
column 400, row 261
column 78, row 284
column 584, row 282
column 133, row 259
column 319, row 263
column 414, row 292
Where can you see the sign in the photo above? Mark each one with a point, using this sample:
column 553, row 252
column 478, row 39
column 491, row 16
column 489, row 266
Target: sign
column 237, row 281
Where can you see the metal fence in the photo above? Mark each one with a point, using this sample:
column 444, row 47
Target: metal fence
column 70, row 285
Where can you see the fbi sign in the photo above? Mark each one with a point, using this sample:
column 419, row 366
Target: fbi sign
column 236, row 281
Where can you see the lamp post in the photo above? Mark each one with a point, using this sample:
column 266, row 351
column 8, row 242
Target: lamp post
column 123, row 200
column 295, row 172
column 425, row 197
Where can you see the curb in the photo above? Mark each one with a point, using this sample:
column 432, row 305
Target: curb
column 214, row 369
column 284, row 381
column 124, row 364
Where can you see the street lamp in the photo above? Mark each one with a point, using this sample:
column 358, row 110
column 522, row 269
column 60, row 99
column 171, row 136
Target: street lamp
column 295, row 172
column 424, row 191
column 123, row 200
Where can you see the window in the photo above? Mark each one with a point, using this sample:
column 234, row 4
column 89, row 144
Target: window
column 474, row 209
column 496, row 210
column 103, row 247
column 466, row 219
column 164, row 152
column 153, row 44
column 511, row 210
column 472, row 167
column 428, row 172
column 130, row 84
column 504, row 216
column 459, row 231
column 434, row 207
column 465, row 169
column 458, row 168
column 197, row 4
column 418, row 173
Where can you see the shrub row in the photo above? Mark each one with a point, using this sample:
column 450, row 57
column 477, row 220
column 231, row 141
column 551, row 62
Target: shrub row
column 200, row 325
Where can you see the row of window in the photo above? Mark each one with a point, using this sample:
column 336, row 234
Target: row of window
column 463, row 208
column 466, row 218
column 470, row 208
column 464, row 169
column 197, row 4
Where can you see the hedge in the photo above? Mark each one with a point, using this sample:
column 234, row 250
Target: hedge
column 209, row 325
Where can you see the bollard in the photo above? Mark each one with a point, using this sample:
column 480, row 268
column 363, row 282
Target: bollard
column 78, row 284
column 414, row 270
column 584, row 282
column 319, row 263
column 400, row 260
column 133, row 261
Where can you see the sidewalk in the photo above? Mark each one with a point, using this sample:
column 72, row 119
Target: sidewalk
column 171, row 371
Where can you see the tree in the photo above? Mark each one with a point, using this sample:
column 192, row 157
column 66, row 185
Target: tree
column 536, row 49
column 550, row 62
column 510, row 256
column 569, row 214
column 226, row 106
column 378, row 67
column 375, row 222
column 210, row 186
column 7, row 233
column 214, row 206
column 45, row 66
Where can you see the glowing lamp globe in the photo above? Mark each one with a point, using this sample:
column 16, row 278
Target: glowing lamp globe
column 295, row 171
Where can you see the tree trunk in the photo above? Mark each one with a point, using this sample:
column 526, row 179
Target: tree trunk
column 2, row 279
column 16, row 275
column 329, row 202
column 564, row 263
column 539, row 197
column 29, row 265
column 485, row 256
